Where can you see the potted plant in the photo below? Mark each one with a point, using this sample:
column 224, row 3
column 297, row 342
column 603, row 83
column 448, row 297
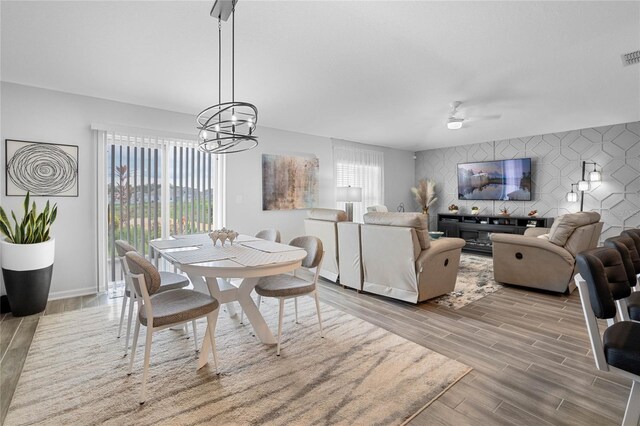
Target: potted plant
column 475, row 210
column 27, row 258
column 425, row 194
column 453, row 209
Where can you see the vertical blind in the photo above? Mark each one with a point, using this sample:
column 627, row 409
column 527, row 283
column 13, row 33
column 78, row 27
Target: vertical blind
column 156, row 187
column 360, row 168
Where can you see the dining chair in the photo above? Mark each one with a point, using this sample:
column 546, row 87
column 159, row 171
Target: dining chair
column 168, row 281
column 628, row 307
column 160, row 310
column 618, row 350
column 269, row 235
column 285, row 286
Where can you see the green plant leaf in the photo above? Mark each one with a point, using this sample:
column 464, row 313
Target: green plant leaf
column 26, row 204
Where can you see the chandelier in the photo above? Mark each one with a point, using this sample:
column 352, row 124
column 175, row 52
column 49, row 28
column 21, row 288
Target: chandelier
column 227, row 127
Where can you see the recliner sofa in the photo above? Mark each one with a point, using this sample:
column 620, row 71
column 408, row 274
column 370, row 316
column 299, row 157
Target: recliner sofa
column 544, row 258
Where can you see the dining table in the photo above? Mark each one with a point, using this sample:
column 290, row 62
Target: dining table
column 211, row 268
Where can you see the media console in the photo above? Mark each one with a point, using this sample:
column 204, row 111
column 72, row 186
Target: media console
column 476, row 229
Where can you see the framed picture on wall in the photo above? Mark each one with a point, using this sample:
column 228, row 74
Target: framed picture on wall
column 289, row 182
column 43, row 169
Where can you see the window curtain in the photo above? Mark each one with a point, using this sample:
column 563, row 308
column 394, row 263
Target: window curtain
column 361, row 168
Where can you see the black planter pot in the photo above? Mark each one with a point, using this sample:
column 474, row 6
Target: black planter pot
column 27, row 271
column 27, row 291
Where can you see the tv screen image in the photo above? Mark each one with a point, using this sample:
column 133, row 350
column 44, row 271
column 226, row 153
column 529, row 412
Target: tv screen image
column 495, row 180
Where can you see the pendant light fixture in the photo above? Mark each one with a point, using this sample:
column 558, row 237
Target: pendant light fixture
column 227, row 127
column 572, row 197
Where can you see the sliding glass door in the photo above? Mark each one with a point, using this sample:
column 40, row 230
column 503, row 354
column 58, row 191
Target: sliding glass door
column 154, row 187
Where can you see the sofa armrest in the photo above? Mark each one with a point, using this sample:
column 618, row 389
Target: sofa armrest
column 538, row 243
column 438, row 246
column 534, row 232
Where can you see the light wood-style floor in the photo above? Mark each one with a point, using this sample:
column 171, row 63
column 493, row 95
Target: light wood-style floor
column 529, row 350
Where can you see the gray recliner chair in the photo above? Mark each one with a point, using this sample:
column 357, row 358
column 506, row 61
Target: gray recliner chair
column 400, row 261
column 544, row 258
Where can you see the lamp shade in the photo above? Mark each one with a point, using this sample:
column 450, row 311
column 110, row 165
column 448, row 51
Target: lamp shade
column 349, row 194
column 572, row 197
column 583, row 185
column 595, row 176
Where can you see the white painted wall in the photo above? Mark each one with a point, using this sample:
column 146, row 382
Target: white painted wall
column 35, row 114
column 244, row 180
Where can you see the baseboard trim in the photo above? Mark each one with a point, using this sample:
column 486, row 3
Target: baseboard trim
column 54, row 295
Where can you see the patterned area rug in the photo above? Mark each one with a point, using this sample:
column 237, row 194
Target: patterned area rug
column 75, row 373
column 475, row 280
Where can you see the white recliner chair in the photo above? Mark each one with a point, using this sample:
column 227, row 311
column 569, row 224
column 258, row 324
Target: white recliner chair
column 400, row 261
column 322, row 223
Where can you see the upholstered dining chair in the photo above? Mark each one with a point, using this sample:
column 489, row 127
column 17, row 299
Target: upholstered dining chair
column 618, row 351
column 287, row 286
column 168, row 281
column 269, row 235
column 161, row 310
column 629, row 307
column 634, row 234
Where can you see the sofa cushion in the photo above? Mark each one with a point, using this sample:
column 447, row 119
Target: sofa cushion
column 418, row 221
column 329, row 215
column 563, row 226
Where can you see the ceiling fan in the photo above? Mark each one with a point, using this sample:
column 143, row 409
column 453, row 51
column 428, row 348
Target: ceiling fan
column 454, row 122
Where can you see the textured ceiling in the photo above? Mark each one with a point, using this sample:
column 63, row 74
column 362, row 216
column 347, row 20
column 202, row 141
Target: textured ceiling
column 375, row 72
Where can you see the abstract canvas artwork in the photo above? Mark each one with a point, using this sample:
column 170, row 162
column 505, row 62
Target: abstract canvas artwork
column 289, row 182
column 43, row 169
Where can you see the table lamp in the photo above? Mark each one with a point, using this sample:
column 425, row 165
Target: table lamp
column 349, row 195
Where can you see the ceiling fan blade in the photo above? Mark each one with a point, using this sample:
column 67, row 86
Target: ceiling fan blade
column 483, row 117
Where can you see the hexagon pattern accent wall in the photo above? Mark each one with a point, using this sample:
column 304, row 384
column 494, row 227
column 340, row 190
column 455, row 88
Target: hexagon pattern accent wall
column 556, row 163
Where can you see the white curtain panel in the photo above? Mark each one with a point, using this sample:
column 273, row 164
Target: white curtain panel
column 361, row 168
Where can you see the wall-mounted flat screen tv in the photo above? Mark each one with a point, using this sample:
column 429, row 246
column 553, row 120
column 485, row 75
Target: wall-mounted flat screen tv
column 495, row 180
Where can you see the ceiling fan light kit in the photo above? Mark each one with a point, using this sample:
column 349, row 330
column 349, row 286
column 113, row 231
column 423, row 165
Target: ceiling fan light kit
column 227, row 127
column 454, row 123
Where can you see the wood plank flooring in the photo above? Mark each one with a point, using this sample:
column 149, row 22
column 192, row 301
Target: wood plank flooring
column 16, row 335
column 529, row 350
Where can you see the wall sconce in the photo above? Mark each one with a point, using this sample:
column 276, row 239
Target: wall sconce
column 572, row 197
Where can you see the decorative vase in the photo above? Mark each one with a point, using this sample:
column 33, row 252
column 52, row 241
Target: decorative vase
column 425, row 211
column 27, row 271
column 453, row 211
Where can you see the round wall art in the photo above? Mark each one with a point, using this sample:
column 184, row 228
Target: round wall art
column 41, row 168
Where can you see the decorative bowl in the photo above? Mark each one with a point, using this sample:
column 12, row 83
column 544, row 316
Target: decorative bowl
column 435, row 234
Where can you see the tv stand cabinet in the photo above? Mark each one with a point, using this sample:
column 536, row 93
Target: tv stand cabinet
column 476, row 230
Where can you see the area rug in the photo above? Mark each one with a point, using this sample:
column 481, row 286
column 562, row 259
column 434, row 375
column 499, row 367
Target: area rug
column 475, row 280
column 75, row 373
